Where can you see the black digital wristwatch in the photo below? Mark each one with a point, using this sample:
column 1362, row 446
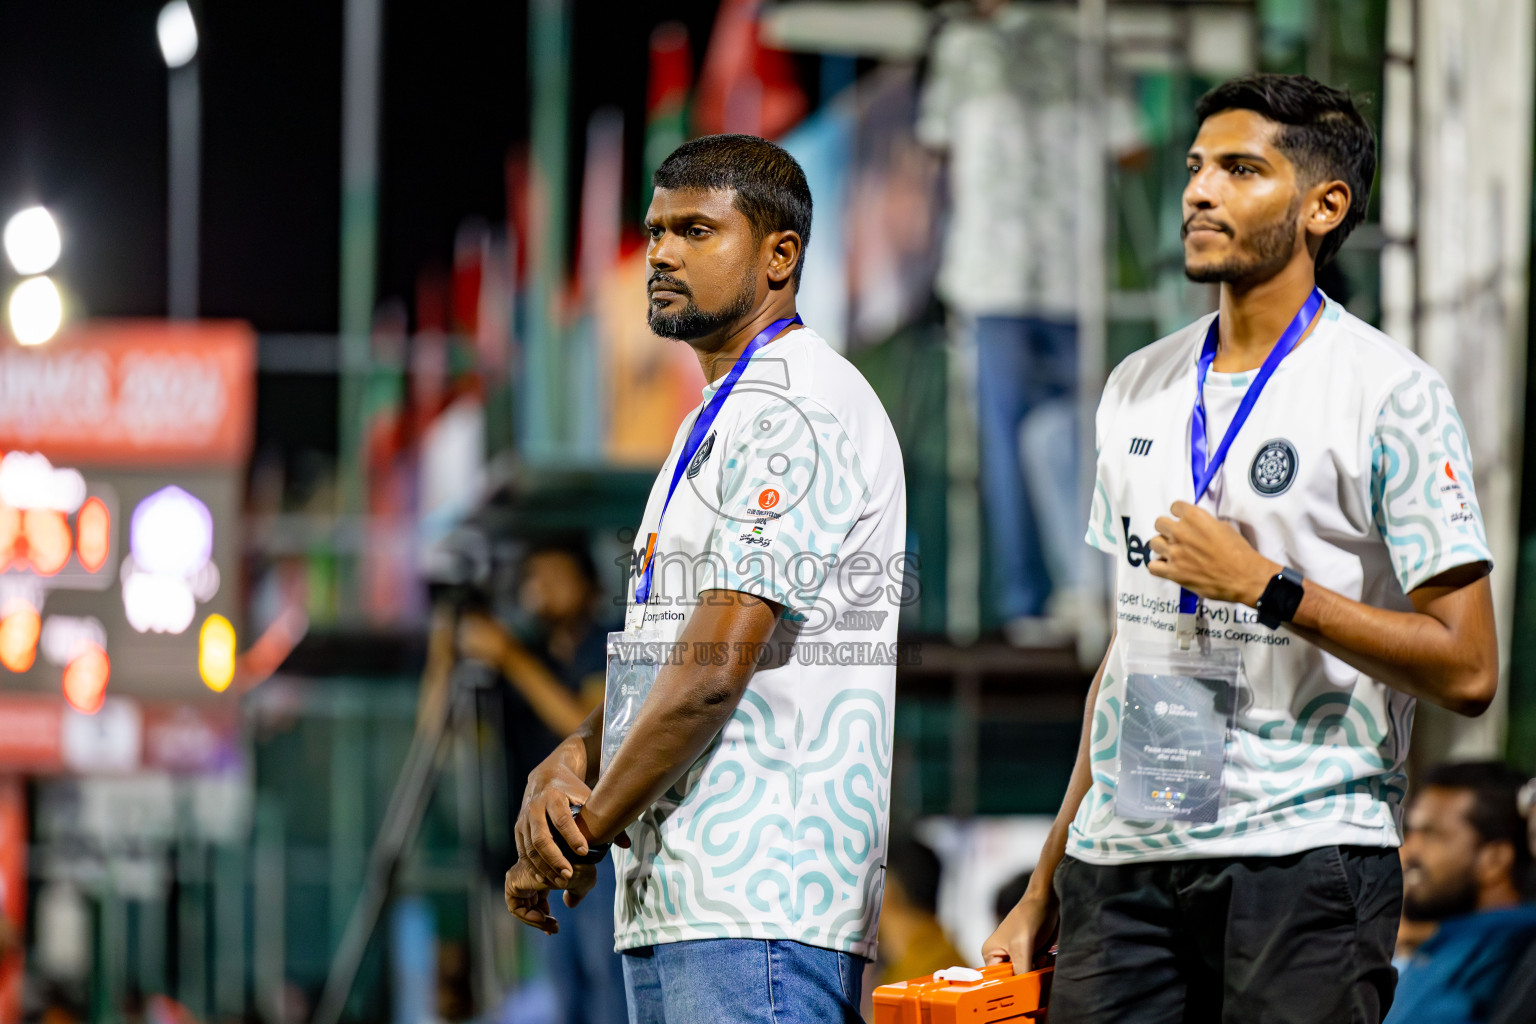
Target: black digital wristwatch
column 1281, row 598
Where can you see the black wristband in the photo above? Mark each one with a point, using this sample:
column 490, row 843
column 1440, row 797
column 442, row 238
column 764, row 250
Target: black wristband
column 1281, row 598
column 596, row 852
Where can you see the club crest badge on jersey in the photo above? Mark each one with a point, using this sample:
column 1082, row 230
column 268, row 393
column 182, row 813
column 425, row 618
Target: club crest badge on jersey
column 701, row 456
column 1274, row 468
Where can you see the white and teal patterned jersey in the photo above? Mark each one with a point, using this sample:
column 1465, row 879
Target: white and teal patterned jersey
column 1353, row 468
column 778, row 831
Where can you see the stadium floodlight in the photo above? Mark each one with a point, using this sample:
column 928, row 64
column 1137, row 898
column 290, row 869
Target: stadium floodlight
column 32, row 241
column 36, row 311
column 177, row 30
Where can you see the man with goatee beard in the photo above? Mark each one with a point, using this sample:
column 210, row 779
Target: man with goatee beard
column 1466, row 867
column 1286, row 494
column 744, row 752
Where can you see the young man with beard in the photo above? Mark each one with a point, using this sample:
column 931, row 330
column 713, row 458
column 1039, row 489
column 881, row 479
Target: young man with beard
column 1466, row 867
column 753, row 784
column 1287, row 494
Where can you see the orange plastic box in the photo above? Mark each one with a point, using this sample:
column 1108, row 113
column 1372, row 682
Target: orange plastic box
column 998, row 996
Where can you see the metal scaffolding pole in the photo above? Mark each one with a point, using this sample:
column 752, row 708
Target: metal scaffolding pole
column 186, row 120
column 1092, row 303
column 544, row 389
column 359, row 232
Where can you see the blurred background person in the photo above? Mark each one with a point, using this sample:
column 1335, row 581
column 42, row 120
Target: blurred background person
column 553, row 665
column 553, row 661
column 1000, row 101
column 1519, row 996
column 1009, row 894
column 1466, row 867
column 1411, row 934
column 912, row 941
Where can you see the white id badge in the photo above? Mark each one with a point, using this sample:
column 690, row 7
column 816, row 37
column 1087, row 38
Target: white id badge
column 1179, row 709
column 634, row 658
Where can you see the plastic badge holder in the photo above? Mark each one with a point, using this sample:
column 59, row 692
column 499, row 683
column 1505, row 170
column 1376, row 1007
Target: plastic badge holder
column 996, row 995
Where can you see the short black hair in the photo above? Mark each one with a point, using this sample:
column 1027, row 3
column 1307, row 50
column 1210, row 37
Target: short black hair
column 572, row 544
column 1495, row 812
column 1321, row 132
column 770, row 186
column 918, row 869
column 1010, row 893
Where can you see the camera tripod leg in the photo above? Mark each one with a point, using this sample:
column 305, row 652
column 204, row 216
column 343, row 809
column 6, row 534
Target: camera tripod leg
column 402, row 819
column 470, row 787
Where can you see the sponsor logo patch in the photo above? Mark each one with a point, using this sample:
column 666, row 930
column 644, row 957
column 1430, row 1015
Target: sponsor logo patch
column 1453, row 498
column 1274, row 468
column 1137, row 551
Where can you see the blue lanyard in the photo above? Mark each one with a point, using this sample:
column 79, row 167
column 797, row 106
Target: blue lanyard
column 1203, row 471
column 696, row 435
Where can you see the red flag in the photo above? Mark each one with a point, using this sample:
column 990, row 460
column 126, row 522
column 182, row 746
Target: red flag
column 746, row 87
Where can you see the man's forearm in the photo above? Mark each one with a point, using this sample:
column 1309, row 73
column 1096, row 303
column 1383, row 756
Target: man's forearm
column 687, row 707
column 1450, row 663
column 1444, row 650
column 582, row 749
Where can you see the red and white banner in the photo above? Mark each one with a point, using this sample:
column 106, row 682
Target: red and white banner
column 43, row 735
column 134, row 392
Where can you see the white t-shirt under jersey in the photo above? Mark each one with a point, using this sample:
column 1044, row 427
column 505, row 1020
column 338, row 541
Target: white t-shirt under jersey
column 1353, row 468
column 778, row 831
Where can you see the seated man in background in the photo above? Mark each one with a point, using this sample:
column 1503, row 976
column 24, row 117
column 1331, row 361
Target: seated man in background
column 1466, row 861
column 1009, row 894
column 1411, row 934
column 912, row 942
column 1515, row 1005
column 555, row 677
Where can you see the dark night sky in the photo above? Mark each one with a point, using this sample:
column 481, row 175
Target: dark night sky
column 82, row 129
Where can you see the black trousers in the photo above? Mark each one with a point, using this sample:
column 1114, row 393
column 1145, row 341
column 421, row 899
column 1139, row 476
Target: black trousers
column 1306, row 938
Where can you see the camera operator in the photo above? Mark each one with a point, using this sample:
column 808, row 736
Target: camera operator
column 555, row 679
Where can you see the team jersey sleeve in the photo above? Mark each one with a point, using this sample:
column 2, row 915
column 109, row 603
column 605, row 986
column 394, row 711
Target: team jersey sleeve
column 1422, row 496
column 791, row 489
column 1101, row 516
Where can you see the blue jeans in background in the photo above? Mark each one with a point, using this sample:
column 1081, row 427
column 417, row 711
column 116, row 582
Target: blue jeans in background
column 742, row 981
column 588, row 974
column 1024, row 365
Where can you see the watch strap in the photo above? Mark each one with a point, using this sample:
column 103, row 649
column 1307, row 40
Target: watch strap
column 1281, row 598
column 596, row 852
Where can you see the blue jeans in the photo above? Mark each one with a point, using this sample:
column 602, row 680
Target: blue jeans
column 1024, row 365
column 742, row 981
column 590, row 986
